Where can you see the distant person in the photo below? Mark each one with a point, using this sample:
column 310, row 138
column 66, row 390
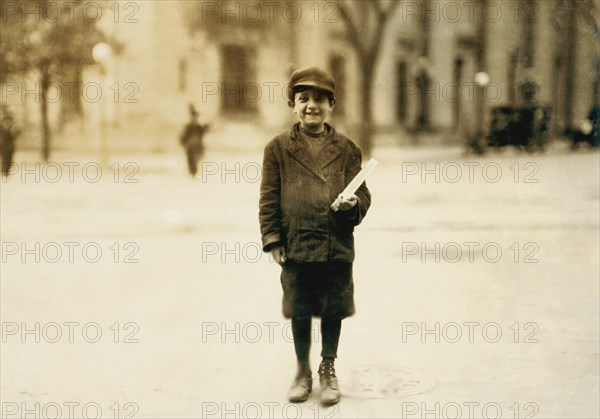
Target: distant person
column 304, row 171
column 588, row 131
column 192, row 140
column 8, row 135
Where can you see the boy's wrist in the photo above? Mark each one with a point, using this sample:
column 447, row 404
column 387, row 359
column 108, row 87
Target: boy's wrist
column 270, row 246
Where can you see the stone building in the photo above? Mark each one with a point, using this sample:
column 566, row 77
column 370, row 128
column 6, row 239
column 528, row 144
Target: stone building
column 235, row 62
column 236, row 65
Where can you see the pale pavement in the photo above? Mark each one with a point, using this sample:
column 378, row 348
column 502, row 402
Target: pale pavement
column 193, row 327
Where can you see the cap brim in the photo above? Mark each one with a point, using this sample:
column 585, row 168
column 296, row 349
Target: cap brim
column 314, row 84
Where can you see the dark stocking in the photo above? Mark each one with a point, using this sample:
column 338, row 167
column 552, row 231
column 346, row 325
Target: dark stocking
column 301, row 330
column 330, row 331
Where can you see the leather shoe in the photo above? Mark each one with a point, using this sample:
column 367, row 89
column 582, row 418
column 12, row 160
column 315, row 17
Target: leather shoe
column 300, row 389
column 330, row 389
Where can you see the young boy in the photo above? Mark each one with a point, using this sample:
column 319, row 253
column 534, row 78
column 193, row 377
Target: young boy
column 304, row 171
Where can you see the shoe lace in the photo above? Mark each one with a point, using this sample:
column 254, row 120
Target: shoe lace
column 326, row 369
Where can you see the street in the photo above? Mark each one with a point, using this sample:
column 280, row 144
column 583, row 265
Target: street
column 136, row 291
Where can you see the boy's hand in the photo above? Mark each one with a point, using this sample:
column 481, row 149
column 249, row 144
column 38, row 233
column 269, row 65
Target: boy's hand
column 278, row 254
column 343, row 203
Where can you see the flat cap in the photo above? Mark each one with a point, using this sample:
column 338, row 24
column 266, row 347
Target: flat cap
column 311, row 76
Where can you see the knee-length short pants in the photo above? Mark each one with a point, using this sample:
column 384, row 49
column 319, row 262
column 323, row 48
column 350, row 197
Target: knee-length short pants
column 320, row 289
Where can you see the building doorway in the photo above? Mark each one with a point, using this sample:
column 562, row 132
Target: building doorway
column 401, row 92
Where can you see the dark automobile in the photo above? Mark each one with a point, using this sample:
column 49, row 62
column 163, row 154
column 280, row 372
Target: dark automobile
column 525, row 127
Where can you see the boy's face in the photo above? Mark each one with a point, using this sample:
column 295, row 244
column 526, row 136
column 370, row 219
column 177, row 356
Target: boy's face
column 313, row 109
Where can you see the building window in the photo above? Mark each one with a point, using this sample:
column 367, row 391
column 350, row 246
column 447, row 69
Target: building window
column 423, row 81
column 240, row 92
column 529, row 8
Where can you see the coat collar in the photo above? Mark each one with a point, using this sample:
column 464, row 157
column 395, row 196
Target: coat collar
column 298, row 149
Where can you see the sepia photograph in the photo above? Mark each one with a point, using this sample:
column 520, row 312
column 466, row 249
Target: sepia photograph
column 300, row 209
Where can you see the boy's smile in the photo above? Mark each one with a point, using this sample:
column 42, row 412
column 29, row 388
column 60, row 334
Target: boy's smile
column 313, row 109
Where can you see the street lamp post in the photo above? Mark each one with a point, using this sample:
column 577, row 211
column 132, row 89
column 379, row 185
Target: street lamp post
column 102, row 53
column 481, row 80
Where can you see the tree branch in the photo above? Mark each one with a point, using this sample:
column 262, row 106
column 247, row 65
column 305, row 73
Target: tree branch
column 351, row 27
column 382, row 15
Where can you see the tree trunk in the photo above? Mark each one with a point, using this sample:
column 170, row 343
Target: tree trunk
column 46, row 134
column 70, row 105
column 366, row 94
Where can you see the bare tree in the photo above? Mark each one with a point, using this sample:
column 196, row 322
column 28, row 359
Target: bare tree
column 365, row 22
column 45, row 47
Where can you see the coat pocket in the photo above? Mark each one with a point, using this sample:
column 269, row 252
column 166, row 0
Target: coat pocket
column 306, row 242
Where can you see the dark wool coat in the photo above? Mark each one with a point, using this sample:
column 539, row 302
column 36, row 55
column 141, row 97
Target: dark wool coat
column 297, row 190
